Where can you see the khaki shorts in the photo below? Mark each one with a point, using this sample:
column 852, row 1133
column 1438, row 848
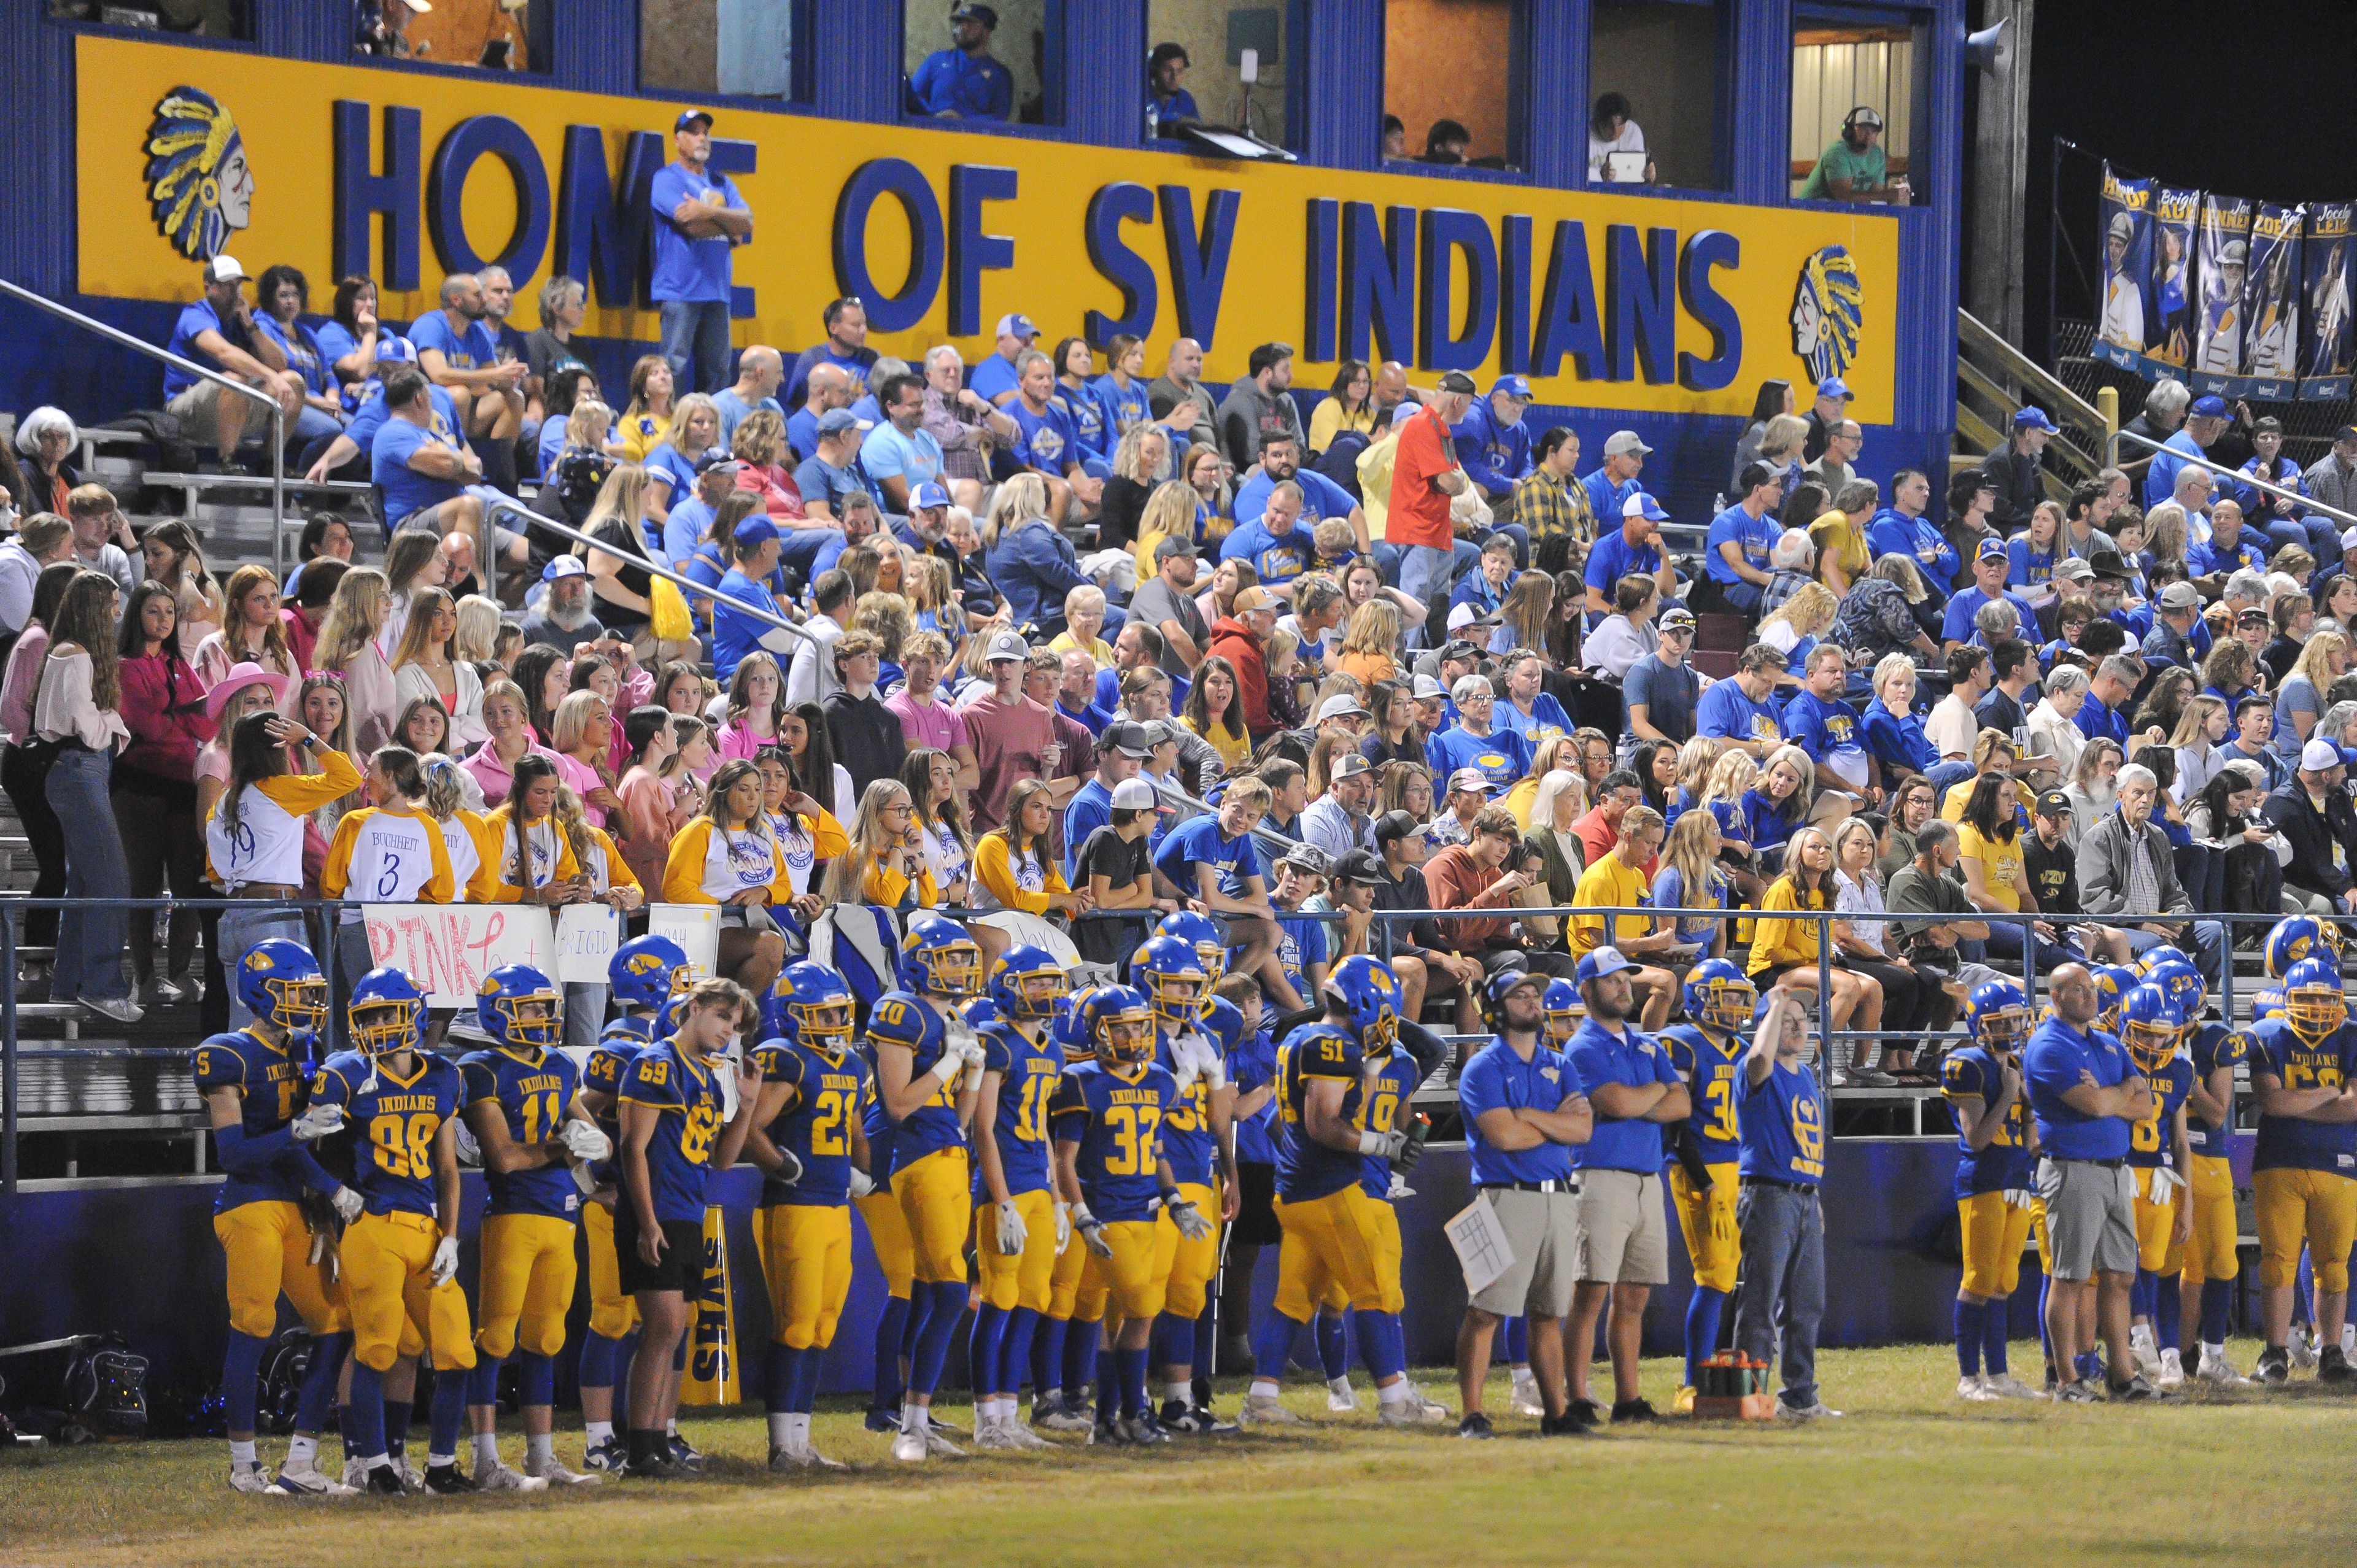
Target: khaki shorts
column 197, row 399
column 1624, row 1229
column 1542, row 1228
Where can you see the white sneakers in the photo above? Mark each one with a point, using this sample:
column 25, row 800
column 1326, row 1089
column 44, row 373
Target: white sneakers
column 2173, row 1369
column 121, row 1009
column 798, row 1454
column 1818, row 1411
column 914, row 1447
column 500, row 1479
column 1266, row 1410
column 2146, row 1353
column 2005, row 1386
column 304, row 1480
column 252, row 1479
column 1970, row 1387
column 1526, row 1393
column 1006, row 1434
column 1340, row 1398
column 1425, row 1407
column 551, row 1472
column 2218, row 1372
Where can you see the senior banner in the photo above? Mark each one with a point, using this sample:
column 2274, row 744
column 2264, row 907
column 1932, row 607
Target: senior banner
column 2325, row 365
column 2124, row 325
column 2223, row 251
column 2174, row 212
column 448, row 947
column 2271, row 298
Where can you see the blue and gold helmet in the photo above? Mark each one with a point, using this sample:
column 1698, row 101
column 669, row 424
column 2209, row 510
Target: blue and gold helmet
column 2153, row 958
column 1366, row 989
column 647, row 971
column 518, row 1005
column 1998, row 1015
column 279, row 980
column 1563, row 1010
column 1119, row 1023
column 1201, row 933
column 2113, row 983
column 2183, row 983
column 939, row 956
column 1169, row 969
column 2296, row 937
column 811, row 1004
column 2313, row 1004
column 2150, row 1023
column 385, row 1012
column 1720, row 995
column 1071, row 1029
column 1027, row 982
column 2267, row 1002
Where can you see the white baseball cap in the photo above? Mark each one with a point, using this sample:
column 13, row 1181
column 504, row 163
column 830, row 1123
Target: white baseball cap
column 2319, row 757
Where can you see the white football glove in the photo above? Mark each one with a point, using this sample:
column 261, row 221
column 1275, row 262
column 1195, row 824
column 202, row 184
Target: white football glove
column 1092, row 1229
column 349, row 1204
column 1063, row 1226
column 583, row 1176
column 1183, row 1072
column 2160, row 1190
column 1012, row 1233
column 2019, row 1198
column 586, row 1141
column 1399, row 1188
column 862, row 1184
column 445, row 1261
column 1188, row 1217
column 1383, row 1145
column 971, row 1048
column 318, row 1123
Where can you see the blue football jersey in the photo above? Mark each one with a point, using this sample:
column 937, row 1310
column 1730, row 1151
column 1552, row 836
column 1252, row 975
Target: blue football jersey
column 1385, row 1107
column 1187, row 1140
column 2287, row 1142
column 531, row 1091
column 687, row 1098
column 608, row 1065
column 2215, row 1045
column 2004, row 1162
column 1711, row 1070
column 1306, row 1169
column 1020, row 1128
column 392, row 1124
column 273, row 1085
column 2148, row 1140
column 1783, row 1118
column 907, row 1019
column 815, row 1126
column 1116, row 1117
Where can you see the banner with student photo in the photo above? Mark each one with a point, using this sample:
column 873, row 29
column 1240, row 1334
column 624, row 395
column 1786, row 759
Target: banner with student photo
column 2325, row 361
column 2223, row 257
column 2122, row 323
column 2170, row 339
column 2271, row 298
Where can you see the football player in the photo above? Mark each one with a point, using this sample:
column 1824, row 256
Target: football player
column 896, row 1259
column 675, row 1133
column 1997, row 1143
column 520, row 1106
column 2301, row 1067
column 400, row 1108
column 807, row 1140
column 2152, row 1027
column 927, row 1061
column 1329, row 1225
column 646, row 973
column 1383, row 1106
column 1061, row 1360
column 1708, row 1052
column 1107, row 1116
column 2211, row 1262
column 1019, row 1228
column 255, row 1085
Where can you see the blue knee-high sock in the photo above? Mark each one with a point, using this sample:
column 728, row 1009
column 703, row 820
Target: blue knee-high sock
column 1015, row 1349
column 1383, row 1344
column 1997, row 1327
column 1333, row 1346
column 889, row 1325
column 1703, row 1310
column 483, row 1382
column 398, row 1413
column 1110, row 1392
column 810, row 1364
column 940, row 1328
column 364, row 1418
column 1081, row 1337
column 1047, row 1356
column 446, row 1416
column 779, row 1377
column 2090, row 1364
column 1972, row 1329
column 318, row 1395
column 2141, row 1294
column 597, row 1355
column 982, row 1350
column 2217, row 1310
column 1173, row 1343
column 538, row 1380
column 1273, row 1344
column 2045, row 1338
column 1131, row 1365
column 2167, row 1307
column 240, row 1369
column 2303, row 1289
column 1514, row 1341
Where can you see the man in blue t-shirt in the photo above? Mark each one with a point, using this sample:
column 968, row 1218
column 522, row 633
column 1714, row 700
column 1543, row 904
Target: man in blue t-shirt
column 963, row 82
column 760, row 370
column 460, row 354
column 699, row 219
column 1736, row 711
column 419, row 464
column 1903, row 529
column 1321, row 497
column 1735, row 555
column 832, row 472
column 1610, row 487
column 1784, row 1225
column 1210, row 861
column 900, row 455
column 994, row 377
column 1276, row 544
column 1493, row 444
column 1827, row 728
column 218, row 331
column 1633, row 549
column 1990, row 567
column 845, row 347
column 1046, row 442
column 735, row 635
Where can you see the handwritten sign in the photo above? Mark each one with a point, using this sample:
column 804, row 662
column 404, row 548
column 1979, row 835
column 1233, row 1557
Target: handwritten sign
column 448, row 947
column 1482, row 1250
column 695, row 927
column 586, row 935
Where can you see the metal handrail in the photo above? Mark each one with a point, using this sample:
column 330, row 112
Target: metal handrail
column 2027, row 370
column 645, row 564
column 2240, row 478
column 117, row 336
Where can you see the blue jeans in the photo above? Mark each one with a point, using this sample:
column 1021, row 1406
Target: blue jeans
column 1783, row 1291
column 2314, row 534
column 695, row 334
column 1427, row 573
column 1387, row 556
column 2209, row 947
column 1946, row 776
column 313, row 424
column 2005, row 941
column 90, row 942
column 243, row 922
column 810, row 551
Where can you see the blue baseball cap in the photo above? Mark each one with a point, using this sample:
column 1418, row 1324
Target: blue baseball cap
column 690, row 116
column 927, row 496
column 1833, row 386
column 2211, row 407
column 1990, row 550
column 563, row 566
column 2035, row 419
column 1016, row 325
column 836, row 420
column 1642, row 505
column 1515, row 387
column 393, row 351
column 754, row 531
column 1599, row 964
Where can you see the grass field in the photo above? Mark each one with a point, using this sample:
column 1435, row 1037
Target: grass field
column 1910, row 1475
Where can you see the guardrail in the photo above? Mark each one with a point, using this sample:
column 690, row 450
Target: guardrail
column 2198, row 460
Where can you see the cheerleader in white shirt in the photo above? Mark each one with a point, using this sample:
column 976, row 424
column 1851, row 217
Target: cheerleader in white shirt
column 466, row 837
column 728, row 856
column 253, row 839
column 531, row 860
column 387, row 852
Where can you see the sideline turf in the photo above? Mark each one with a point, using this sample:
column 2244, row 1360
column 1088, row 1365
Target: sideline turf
column 1911, row 1475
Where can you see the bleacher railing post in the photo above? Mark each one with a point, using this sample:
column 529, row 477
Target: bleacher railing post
column 7, row 1053
column 278, row 491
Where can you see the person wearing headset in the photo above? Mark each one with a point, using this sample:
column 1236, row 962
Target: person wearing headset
column 1854, row 168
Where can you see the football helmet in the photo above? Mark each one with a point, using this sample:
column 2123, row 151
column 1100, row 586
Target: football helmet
column 1119, row 1025
column 647, row 971
column 1071, row 1029
column 1367, row 990
column 1171, row 972
column 518, row 1005
column 1027, row 982
column 940, row 957
column 2296, row 937
column 2267, row 1002
column 385, row 1010
column 2183, row 983
column 2313, row 1005
column 1720, row 995
column 279, row 980
column 1998, row 1015
column 1202, row 933
column 2113, row 983
column 811, row 1006
column 1564, row 1010
column 2153, row 958
column 2150, row 1022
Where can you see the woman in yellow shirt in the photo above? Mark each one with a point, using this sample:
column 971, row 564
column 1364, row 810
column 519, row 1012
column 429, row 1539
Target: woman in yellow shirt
column 1989, row 839
column 532, row 862
column 648, row 419
column 1084, row 618
column 885, row 861
column 1215, row 712
column 1349, row 404
column 730, row 857
column 1784, row 951
column 1017, row 868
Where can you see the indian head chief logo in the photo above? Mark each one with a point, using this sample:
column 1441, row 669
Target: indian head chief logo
column 200, row 183
column 1828, row 312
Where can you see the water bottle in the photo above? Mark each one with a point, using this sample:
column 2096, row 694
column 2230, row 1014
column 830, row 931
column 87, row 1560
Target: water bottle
column 1153, row 119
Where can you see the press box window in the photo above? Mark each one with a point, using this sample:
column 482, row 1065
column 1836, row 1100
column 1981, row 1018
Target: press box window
column 1857, row 94
column 1229, row 60
column 496, row 35
column 1452, row 81
column 188, row 19
column 988, row 64
column 744, row 48
column 1660, row 93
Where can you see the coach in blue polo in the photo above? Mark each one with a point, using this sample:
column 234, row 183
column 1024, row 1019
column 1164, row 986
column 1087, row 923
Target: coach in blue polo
column 1624, row 1237
column 699, row 220
column 2087, row 1094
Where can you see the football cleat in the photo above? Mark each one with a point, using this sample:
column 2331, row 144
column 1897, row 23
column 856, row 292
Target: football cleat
column 2302, row 1349
column 1564, row 1425
column 990, row 1434
column 2172, row 1371
column 1201, row 1417
column 356, row 1474
column 1266, row 1410
column 2005, row 1385
column 2137, row 1389
column 2078, row 1390
column 2333, row 1366
column 1399, row 1412
column 2146, row 1352
column 879, row 1420
column 800, row 1455
column 1526, row 1393
column 383, row 1479
column 1061, row 1414
column 654, row 1467
column 449, row 1481
column 605, row 1455
column 943, row 1429
column 2219, row 1372
column 249, row 1479
column 1815, row 1410
column 500, row 1479
column 685, row 1455
column 1634, row 1409
column 1340, row 1398
column 304, row 1480
column 1020, row 1434
column 2274, row 1367
column 1971, row 1389
column 552, row 1473
column 1109, row 1435
column 1475, row 1425
column 413, row 1479
column 1144, row 1431
column 1427, row 1408
column 910, row 1448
